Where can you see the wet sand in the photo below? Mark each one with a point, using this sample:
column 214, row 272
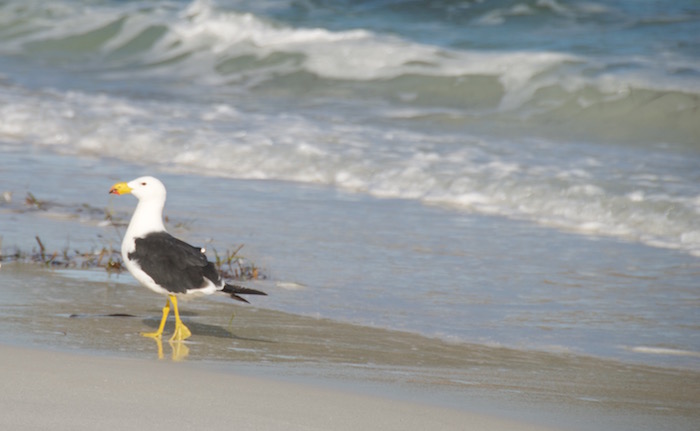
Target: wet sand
column 72, row 335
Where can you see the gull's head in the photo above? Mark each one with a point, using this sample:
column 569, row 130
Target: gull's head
column 143, row 188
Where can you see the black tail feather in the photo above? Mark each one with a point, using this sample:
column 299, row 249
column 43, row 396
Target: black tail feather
column 235, row 290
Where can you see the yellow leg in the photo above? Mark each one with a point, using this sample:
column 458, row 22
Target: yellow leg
column 157, row 334
column 181, row 331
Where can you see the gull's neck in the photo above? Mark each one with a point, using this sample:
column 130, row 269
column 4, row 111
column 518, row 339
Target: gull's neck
column 147, row 218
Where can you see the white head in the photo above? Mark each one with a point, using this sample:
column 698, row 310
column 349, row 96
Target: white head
column 148, row 216
column 144, row 188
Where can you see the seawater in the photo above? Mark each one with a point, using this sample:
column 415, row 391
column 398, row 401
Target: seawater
column 521, row 173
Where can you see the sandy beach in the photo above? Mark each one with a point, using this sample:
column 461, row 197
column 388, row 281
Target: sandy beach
column 63, row 391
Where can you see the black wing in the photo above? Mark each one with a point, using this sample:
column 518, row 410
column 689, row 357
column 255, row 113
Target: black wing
column 172, row 263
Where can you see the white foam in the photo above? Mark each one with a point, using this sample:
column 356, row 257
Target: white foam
column 663, row 351
column 290, row 285
column 289, row 147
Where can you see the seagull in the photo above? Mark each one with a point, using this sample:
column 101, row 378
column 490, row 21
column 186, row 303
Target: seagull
column 163, row 263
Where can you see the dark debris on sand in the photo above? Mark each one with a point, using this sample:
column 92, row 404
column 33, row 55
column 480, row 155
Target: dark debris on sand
column 231, row 264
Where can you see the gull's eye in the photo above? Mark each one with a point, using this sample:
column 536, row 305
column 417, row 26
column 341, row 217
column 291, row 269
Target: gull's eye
column 143, row 184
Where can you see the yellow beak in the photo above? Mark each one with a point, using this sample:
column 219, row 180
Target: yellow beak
column 120, row 189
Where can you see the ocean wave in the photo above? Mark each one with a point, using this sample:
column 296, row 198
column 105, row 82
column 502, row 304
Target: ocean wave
column 210, row 45
column 589, row 190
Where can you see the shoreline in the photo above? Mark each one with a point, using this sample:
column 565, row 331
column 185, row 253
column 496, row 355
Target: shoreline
column 562, row 391
column 402, row 279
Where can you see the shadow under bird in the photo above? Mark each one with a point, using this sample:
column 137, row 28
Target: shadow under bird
column 163, row 263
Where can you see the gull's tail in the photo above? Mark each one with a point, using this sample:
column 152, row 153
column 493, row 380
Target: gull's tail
column 235, row 290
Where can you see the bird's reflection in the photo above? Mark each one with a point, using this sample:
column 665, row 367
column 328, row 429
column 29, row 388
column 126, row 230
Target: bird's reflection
column 178, row 348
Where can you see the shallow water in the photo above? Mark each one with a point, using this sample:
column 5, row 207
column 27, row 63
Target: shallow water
column 392, row 264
